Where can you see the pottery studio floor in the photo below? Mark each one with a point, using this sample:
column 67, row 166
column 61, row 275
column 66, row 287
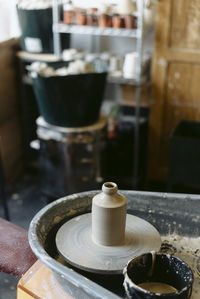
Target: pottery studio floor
column 24, row 200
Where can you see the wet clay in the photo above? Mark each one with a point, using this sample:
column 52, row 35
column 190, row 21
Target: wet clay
column 109, row 216
column 106, row 239
column 157, row 287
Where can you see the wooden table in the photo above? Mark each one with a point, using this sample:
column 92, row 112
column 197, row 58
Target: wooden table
column 40, row 283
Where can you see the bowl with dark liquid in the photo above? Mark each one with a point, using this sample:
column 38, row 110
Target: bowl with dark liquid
column 157, row 275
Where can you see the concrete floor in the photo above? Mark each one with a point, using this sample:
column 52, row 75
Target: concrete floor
column 24, row 198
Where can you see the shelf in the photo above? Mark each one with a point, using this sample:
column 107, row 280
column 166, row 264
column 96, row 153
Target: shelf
column 92, row 30
column 33, row 57
column 121, row 80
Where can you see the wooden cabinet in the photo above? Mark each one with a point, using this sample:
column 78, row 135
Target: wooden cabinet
column 175, row 78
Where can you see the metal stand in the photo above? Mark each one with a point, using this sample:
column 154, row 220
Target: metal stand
column 137, row 100
column 58, row 28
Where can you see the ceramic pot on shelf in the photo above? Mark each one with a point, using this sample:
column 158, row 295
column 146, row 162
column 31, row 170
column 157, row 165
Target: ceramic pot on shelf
column 126, row 7
column 105, row 20
column 130, row 21
column 118, row 21
column 81, row 18
column 68, row 13
column 92, row 17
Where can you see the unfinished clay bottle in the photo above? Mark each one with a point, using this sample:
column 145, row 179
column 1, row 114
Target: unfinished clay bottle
column 109, row 216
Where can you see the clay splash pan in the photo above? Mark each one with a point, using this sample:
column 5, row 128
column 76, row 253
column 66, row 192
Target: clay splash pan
column 175, row 216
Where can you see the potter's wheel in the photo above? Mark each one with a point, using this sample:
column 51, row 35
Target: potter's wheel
column 74, row 243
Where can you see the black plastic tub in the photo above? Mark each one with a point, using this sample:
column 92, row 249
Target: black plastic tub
column 72, row 100
column 36, row 28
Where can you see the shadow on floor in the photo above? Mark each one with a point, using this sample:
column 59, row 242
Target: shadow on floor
column 25, row 199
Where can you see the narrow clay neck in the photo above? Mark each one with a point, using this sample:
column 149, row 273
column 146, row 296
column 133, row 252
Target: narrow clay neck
column 109, row 188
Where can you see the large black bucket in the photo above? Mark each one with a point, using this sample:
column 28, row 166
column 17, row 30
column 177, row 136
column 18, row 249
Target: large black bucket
column 70, row 101
column 36, row 27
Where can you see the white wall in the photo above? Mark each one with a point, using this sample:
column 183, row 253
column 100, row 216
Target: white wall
column 8, row 20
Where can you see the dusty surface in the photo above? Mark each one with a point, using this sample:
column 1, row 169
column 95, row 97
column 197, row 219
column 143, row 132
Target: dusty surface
column 187, row 249
column 75, row 244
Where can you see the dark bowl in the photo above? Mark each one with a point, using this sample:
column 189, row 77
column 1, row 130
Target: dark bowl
column 158, row 268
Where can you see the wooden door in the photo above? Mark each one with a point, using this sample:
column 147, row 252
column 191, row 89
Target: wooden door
column 175, row 78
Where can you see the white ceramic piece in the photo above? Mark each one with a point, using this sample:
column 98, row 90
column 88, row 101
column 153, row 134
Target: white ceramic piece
column 126, row 7
column 130, row 65
column 150, row 10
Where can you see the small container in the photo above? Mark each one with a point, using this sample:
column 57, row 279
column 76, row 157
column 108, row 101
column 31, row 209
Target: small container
column 158, row 270
column 130, row 65
column 92, row 17
column 118, row 21
column 68, row 13
column 130, row 21
column 105, row 20
column 81, row 18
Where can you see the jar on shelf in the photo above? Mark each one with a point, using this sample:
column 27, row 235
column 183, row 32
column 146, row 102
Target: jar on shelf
column 81, row 17
column 92, row 17
column 127, row 8
column 68, row 13
column 105, row 15
column 118, row 21
column 105, row 20
column 130, row 21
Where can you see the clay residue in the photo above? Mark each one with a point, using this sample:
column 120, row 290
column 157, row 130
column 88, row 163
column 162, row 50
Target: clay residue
column 71, row 212
column 187, row 249
column 57, row 219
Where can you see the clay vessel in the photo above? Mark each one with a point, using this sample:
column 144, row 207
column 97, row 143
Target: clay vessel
column 109, row 216
column 81, row 18
column 118, row 21
column 92, row 17
column 68, row 13
column 105, row 20
column 68, row 17
column 130, row 21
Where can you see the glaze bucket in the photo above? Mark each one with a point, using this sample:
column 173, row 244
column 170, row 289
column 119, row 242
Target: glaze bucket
column 158, row 268
column 71, row 100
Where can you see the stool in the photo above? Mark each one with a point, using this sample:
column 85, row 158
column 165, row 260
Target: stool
column 184, row 155
column 16, row 256
column 71, row 158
